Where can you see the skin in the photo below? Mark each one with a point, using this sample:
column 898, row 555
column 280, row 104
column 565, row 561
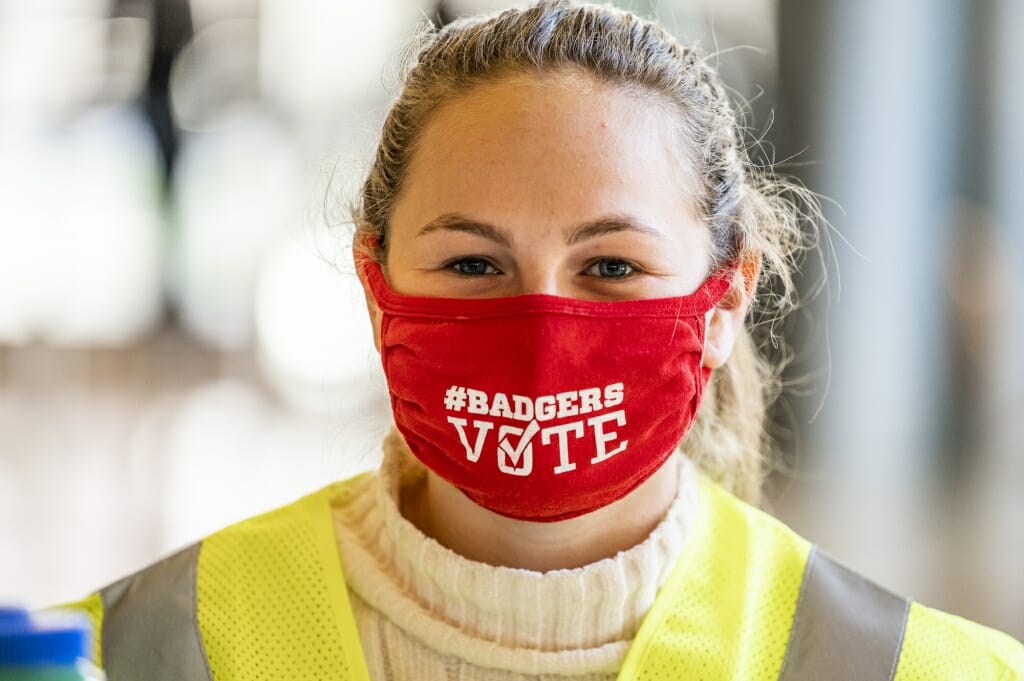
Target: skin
column 565, row 186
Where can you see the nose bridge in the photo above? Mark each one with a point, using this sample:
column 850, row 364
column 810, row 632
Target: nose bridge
column 543, row 274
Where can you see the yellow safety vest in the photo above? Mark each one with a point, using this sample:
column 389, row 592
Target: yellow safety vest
column 748, row 600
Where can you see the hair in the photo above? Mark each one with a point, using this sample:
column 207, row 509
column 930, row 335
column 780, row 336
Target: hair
column 753, row 215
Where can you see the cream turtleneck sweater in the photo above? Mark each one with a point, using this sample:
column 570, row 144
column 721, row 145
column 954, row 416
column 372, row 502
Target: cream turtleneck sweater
column 426, row 613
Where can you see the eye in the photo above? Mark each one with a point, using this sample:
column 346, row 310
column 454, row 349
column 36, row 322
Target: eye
column 471, row 267
column 611, row 268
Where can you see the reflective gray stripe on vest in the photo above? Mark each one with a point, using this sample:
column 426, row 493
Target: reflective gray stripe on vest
column 150, row 629
column 845, row 628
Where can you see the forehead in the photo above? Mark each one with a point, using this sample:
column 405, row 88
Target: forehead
column 558, row 146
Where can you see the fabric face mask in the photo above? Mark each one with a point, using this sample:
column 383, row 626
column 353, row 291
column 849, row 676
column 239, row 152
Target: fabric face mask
column 539, row 407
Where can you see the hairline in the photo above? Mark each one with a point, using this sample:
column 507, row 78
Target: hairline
column 547, row 76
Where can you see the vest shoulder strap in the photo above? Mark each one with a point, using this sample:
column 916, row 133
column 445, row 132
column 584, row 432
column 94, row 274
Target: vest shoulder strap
column 264, row 598
column 749, row 599
column 846, row 628
column 149, row 629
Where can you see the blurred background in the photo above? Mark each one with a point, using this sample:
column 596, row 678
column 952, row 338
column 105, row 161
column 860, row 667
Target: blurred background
column 182, row 341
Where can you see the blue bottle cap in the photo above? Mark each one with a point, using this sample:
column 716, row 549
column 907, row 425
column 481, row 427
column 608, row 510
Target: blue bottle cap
column 42, row 639
column 13, row 616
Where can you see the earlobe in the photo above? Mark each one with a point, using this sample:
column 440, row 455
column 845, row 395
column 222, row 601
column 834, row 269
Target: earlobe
column 725, row 321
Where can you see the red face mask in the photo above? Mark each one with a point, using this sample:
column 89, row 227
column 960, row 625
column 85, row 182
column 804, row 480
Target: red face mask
column 540, row 407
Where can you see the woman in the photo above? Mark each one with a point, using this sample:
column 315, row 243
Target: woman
column 559, row 240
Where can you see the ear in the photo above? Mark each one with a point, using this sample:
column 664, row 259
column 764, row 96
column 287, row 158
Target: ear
column 725, row 321
column 358, row 256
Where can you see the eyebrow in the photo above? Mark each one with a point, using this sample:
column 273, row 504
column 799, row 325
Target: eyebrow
column 455, row 222
column 610, row 225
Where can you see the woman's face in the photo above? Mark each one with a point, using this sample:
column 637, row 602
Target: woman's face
column 563, row 186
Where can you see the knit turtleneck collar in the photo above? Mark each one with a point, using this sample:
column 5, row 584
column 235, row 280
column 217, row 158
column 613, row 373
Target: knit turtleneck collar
column 576, row 621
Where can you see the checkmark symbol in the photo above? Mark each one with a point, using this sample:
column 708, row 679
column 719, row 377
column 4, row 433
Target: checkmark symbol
column 520, row 456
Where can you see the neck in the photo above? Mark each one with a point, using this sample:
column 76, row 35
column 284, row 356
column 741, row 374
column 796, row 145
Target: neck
column 445, row 514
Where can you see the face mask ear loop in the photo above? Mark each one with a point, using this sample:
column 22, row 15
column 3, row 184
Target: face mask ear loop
column 365, row 244
column 713, row 290
column 372, row 271
column 748, row 267
column 717, row 285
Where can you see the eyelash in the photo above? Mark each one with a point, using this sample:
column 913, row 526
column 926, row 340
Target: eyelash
column 452, row 265
column 633, row 268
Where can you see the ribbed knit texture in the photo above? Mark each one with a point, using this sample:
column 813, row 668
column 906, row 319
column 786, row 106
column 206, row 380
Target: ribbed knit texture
column 424, row 612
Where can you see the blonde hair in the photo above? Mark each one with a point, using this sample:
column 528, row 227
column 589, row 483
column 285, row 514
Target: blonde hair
column 752, row 214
